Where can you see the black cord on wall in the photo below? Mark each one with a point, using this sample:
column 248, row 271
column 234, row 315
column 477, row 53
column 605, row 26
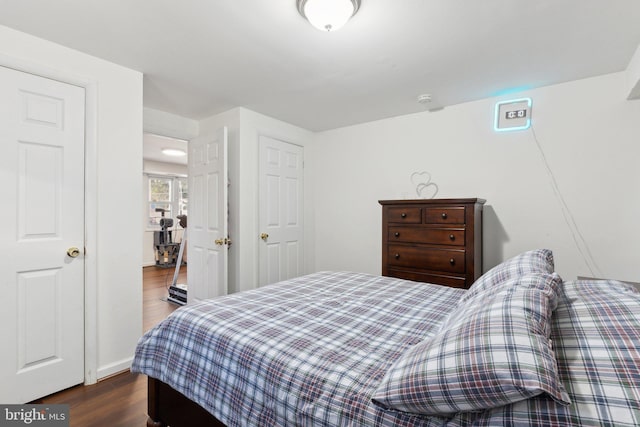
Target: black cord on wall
column 578, row 238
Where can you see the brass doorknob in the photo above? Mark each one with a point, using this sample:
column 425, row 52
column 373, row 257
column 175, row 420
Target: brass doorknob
column 219, row 242
column 73, row 252
column 264, row 236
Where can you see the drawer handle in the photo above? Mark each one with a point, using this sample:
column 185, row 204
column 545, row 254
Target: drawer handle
column 397, row 256
column 444, row 215
column 396, row 234
column 452, row 261
column 403, row 215
column 452, row 237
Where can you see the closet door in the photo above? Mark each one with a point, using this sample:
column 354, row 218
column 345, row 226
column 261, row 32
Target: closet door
column 42, row 241
column 281, row 210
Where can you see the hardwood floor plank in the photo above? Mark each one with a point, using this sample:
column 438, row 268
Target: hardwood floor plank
column 121, row 400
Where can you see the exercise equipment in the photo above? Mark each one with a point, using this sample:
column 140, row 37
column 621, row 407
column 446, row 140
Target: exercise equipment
column 166, row 250
column 178, row 291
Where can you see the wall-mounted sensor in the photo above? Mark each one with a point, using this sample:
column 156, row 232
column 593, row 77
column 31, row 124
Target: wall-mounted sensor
column 513, row 115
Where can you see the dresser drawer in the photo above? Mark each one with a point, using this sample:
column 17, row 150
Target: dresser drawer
column 404, row 215
column 447, row 279
column 447, row 260
column 444, row 215
column 436, row 236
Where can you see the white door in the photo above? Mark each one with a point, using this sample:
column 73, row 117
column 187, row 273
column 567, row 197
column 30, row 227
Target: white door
column 208, row 217
column 42, row 216
column 281, row 210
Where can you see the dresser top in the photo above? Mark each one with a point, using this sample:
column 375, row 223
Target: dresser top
column 431, row 201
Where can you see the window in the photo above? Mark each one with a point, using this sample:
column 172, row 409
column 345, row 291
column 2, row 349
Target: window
column 168, row 195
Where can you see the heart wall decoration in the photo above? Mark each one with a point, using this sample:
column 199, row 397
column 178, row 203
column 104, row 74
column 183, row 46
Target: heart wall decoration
column 425, row 189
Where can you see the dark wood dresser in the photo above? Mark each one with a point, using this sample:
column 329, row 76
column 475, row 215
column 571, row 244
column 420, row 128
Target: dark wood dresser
column 436, row 240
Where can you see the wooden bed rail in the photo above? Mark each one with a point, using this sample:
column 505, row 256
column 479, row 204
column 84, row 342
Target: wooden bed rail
column 167, row 407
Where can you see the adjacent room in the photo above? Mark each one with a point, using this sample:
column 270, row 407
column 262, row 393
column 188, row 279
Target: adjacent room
column 356, row 212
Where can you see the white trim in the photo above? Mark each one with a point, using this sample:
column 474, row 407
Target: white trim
column 167, row 137
column 90, row 201
column 166, row 174
column 91, row 233
column 115, row 367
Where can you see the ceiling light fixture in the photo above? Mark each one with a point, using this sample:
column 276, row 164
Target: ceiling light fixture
column 174, row 152
column 328, row 15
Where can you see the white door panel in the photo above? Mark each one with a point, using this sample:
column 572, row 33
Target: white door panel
column 281, row 207
column 42, row 175
column 208, row 230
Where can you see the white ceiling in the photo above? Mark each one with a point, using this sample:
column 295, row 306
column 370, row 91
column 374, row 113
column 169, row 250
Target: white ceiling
column 202, row 57
column 154, row 144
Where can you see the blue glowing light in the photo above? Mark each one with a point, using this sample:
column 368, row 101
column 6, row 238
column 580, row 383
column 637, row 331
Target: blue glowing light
column 527, row 122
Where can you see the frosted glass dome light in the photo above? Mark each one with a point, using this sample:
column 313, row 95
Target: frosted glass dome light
column 328, row 15
column 174, row 152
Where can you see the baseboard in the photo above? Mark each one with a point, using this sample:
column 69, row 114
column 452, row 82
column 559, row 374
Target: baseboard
column 114, row 368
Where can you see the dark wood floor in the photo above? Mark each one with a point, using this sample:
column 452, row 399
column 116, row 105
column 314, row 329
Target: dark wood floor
column 121, row 400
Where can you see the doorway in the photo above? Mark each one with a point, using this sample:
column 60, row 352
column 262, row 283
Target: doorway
column 166, row 192
column 165, row 202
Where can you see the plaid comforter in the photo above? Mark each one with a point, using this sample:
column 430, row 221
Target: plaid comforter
column 311, row 351
column 596, row 336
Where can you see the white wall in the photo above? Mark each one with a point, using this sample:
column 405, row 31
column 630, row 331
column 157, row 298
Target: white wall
column 160, row 168
column 245, row 128
column 633, row 76
column 117, row 112
column 170, row 125
column 589, row 134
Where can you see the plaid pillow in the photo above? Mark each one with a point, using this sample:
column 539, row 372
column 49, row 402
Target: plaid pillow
column 498, row 354
column 534, row 261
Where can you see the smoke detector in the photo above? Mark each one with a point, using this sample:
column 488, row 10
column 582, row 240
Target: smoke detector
column 425, row 98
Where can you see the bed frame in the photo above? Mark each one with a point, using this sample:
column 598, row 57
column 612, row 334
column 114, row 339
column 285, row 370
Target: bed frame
column 168, row 407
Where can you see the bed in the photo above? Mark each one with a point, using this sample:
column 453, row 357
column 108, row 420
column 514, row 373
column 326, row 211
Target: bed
column 520, row 347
